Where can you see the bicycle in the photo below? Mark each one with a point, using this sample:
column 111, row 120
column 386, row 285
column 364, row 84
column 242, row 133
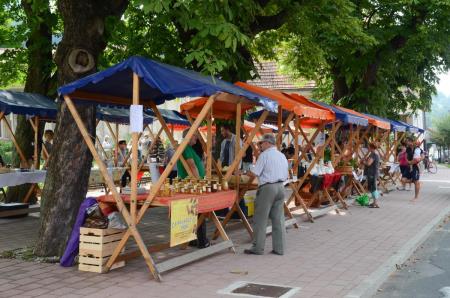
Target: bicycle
column 430, row 165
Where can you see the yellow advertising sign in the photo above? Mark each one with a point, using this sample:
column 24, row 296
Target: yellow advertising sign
column 183, row 221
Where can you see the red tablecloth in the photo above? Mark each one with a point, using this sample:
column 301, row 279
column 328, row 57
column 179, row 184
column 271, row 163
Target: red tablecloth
column 206, row 202
column 330, row 179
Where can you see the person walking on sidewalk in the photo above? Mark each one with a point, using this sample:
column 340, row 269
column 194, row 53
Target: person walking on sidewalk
column 271, row 168
column 404, row 166
column 415, row 156
column 371, row 170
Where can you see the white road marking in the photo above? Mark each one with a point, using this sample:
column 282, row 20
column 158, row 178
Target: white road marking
column 444, row 186
column 445, row 291
column 438, row 181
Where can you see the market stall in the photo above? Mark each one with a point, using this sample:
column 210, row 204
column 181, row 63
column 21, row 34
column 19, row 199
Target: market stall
column 37, row 108
column 148, row 83
column 377, row 132
column 294, row 114
column 229, row 111
column 345, row 150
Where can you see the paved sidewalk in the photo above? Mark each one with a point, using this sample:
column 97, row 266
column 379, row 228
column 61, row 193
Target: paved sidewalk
column 328, row 258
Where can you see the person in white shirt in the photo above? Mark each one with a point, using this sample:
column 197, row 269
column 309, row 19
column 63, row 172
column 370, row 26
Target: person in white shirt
column 271, row 168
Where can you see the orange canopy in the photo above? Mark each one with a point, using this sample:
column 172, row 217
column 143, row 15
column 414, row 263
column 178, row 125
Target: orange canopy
column 375, row 122
column 325, row 114
column 224, row 107
column 177, row 127
column 304, row 109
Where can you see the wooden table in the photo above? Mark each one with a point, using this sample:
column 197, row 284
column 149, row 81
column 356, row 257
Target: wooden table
column 207, row 204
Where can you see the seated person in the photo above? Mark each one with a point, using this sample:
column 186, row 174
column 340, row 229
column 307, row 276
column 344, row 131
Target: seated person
column 48, row 143
column 121, row 155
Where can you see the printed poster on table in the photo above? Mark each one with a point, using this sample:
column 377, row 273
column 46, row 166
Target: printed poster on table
column 183, row 221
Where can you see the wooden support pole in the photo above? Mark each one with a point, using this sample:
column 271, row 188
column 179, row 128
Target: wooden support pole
column 170, row 136
column 240, row 154
column 177, row 155
column 150, row 148
column 333, row 148
column 108, row 179
column 296, row 145
column 209, row 157
column 238, row 147
column 279, row 122
column 134, row 153
column 204, row 146
column 281, row 130
column 14, row 140
column 36, row 142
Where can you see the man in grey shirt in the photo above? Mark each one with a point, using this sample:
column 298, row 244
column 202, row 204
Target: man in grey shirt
column 271, row 168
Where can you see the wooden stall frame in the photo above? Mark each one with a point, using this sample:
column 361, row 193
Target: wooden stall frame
column 121, row 206
column 178, row 152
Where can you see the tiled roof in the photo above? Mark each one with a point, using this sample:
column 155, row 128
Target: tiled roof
column 271, row 77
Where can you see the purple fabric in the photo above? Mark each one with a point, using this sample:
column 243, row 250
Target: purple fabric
column 67, row 260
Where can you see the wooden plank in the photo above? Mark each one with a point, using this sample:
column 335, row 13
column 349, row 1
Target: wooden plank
column 121, row 206
column 137, row 253
column 99, row 268
column 323, row 211
column 19, row 211
column 101, row 240
column 193, row 256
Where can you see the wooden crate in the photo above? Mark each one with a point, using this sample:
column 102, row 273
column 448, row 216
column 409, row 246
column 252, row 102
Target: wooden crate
column 96, row 246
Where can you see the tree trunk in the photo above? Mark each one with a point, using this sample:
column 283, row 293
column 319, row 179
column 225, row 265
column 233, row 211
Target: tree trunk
column 39, row 46
column 70, row 163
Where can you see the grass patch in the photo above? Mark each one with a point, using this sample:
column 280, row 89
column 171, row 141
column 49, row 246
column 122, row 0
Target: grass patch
column 27, row 254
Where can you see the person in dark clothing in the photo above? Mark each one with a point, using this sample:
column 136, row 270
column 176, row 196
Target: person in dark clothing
column 414, row 156
column 121, row 158
column 247, row 160
column 198, row 149
column 371, row 170
column 2, row 163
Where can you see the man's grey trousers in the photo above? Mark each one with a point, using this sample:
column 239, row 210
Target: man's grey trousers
column 269, row 203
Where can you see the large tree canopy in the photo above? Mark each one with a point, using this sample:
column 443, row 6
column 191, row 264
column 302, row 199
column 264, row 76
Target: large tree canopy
column 381, row 56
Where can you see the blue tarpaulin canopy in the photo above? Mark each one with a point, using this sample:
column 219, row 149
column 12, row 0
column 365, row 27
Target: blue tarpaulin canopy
column 345, row 117
column 412, row 128
column 118, row 115
column 272, row 118
column 395, row 126
column 170, row 116
column 22, row 103
column 158, row 82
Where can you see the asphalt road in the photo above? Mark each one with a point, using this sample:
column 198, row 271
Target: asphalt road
column 426, row 273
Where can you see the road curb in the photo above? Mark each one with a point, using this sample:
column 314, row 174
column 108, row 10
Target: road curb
column 372, row 283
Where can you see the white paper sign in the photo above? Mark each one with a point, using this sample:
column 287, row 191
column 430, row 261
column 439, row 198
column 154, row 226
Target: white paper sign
column 136, row 118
